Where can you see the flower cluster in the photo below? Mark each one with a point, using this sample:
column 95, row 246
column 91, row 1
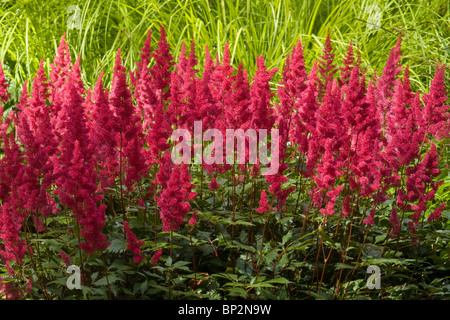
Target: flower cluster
column 67, row 146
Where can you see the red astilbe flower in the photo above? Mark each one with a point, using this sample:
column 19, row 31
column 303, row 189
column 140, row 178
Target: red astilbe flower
column 260, row 96
column 61, row 67
column 151, row 93
column 436, row 214
column 8, row 290
column 133, row 244
column 11, row 220
column 4, row 95
column 395, row 222
column 263, row 203
column 213, row 185
column 238, row 114
column 329, row 120
column 332, row 195
column 74, row 169
column 406, row 132
column 326, row 66
column 386, row 82
column 77, row 190
column 420, row 186
column 211, row 107
column 183, row 108
column 127, row 126
column 436, row 114
column 277, row 179
column 11, row 212
column 346, row 210
column 143, row 92
column 102, row 136
column 328, row 168
column 193, row 219
column 349, row 63
column 11, row 162
column 355, row 107
column 370, row 219
column 160, row 71
column 145, row 59
column 73, row 125
column 292, row 84
column 156, row 257
column 174, row 198
column 59, row 74
column 308, row 104
column 165, row 170
column 35, row 134
column 421, row 175
column 65, row 258
column 78, row 82
column 221, row 87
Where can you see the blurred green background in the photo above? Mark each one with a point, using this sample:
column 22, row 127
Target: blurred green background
column 31, row 30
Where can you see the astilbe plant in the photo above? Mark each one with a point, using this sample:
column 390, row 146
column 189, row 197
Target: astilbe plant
column 358, row 157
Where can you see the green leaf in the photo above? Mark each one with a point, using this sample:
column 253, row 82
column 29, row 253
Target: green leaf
column 105, row 280
column 144, row 286
column 279, row 280
column 286, row 237
column 341, row 265
column 117, row 245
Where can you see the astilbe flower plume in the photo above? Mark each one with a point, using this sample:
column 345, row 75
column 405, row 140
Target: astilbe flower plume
column 184, row 109
column 277, row 179
column 4, row 95
column 332, row 195
column 11, row 214
column 60, row 71
column 151, row 94
column 127, row 124
column 386, row 82
column 327, row 67
column 161, row 70
column 221, row 81
column 35, row 135
column 213, row 185
column 133, row 244
column 76, row 177
column 292, row 83
column 436, row 114
column 238, row 113
column 370, row 219
column 156, row 257
column 304, row 121
column 260, row 96
column 65, row 258
column 174, row 198
column 102, row 136
column 263, row 203
column 193, row 219
column 349, row 63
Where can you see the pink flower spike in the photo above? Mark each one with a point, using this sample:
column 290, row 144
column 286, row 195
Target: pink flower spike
column 263, row 203
column 65, row 258
column 133, row 244
column 193, row 219
column 369, row 220
column 213, row 184
column 156, row 257
column 436, row 214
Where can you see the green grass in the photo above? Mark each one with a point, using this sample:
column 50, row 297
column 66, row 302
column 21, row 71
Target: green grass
column 31, row 30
